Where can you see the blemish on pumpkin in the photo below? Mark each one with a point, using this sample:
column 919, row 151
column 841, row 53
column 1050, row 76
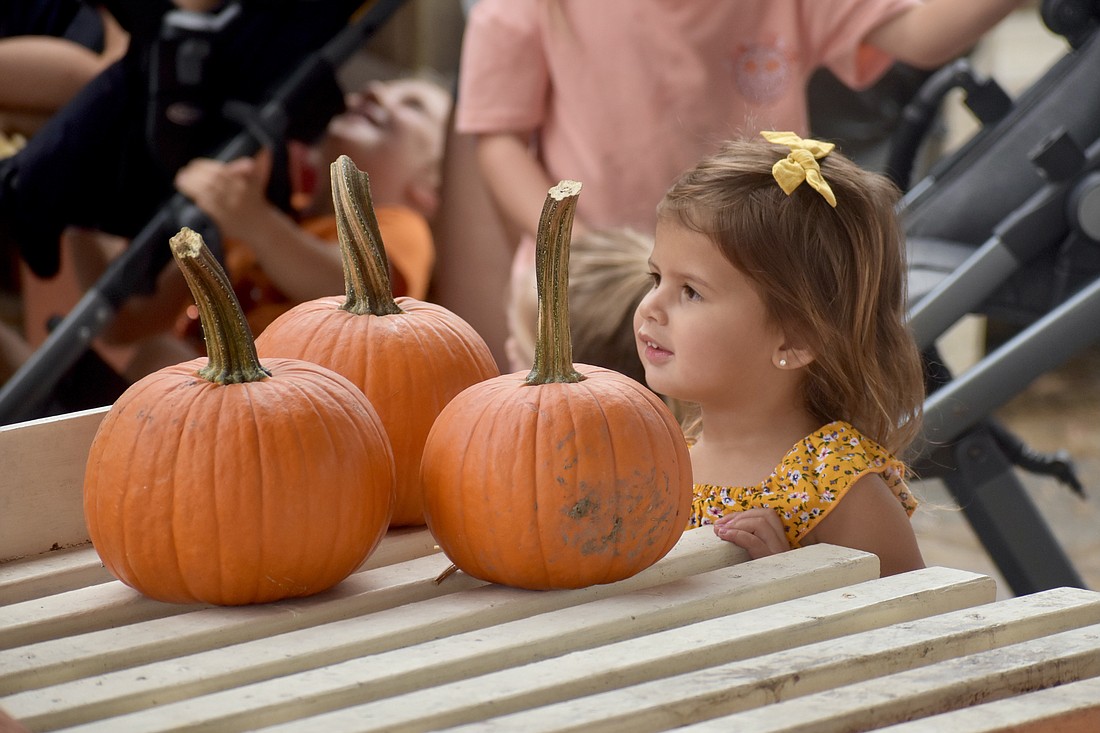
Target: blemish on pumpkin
column 616, row 530
column 583, row 508
column 593, row 546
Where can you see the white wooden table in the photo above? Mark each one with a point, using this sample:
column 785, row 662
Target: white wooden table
column 810, row 640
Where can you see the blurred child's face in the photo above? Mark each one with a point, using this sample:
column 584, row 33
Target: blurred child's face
column 393, row 130
column 702, row 331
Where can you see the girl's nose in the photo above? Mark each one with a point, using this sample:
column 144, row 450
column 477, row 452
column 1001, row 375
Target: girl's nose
column 649, row 308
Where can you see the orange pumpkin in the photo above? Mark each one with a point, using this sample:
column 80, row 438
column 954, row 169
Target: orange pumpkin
column 408, row 356
column 225, row 481
column 564, row 477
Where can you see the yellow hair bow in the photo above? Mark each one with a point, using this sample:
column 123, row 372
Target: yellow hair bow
column 801, row 164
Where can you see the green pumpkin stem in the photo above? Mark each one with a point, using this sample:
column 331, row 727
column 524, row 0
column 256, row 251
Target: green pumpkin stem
column 366, row 269
column 229, row 343
column 553, row 344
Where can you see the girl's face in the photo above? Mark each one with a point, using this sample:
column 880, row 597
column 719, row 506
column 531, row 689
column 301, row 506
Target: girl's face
column 702, row 332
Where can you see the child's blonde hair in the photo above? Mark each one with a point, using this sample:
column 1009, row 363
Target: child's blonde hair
column 835, row 279
column 608, row 276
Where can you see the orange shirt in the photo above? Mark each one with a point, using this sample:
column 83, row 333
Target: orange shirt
column 410, row 250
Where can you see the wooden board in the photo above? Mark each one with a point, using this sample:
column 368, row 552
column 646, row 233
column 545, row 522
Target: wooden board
column 42, row 465
column 806, row 640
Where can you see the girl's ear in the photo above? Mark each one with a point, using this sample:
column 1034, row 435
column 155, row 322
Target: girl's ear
column 789, row 356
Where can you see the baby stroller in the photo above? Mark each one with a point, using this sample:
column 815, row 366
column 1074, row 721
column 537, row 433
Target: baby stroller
column 185, row 108
column 1009, row 227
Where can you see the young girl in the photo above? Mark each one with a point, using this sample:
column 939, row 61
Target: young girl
column 778, row 309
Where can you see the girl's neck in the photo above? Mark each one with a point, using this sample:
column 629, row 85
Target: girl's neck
column 742, row 449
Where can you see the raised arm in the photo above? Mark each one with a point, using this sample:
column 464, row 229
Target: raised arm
column 516, row 180
column 936, row 31
column 233, row 195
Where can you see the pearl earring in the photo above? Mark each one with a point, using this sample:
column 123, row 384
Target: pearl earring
column 782, row 363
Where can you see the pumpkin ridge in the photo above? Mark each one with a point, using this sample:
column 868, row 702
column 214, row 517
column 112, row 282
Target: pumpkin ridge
column 290, row 564
column 485, row 481
column 528, row 467
column 676, row 435
column 604, row 546
column 593, row 390
column 428, row 341
column 166, row 548
column 215, row 469
column 177, row 514
column 305, row 400
column 262, row 506
column 347, row 524
column 353, row 412
column 647, row 499
column 138, row 573
column 564, row 408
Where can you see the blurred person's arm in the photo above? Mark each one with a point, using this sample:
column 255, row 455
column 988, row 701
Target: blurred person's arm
column 198, row 6
column 139, row 316
column 517, row 181
column 934, row 32
column 40, row 74
column 233, row 195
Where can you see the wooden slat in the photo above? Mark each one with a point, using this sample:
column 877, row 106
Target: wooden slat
column 51, row 572
column 102, row 606
column 1065, row 708
column 643, row 657
column 433, row 642
column 112, row 604
column 65, row 570
column 97, row 652
column 952, row 685
column 41, row 493
column 727, row 688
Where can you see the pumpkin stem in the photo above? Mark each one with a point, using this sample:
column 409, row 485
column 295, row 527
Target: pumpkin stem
column 229, row 343
column 553, row 345
column 366, row 269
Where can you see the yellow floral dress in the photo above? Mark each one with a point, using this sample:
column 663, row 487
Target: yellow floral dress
column 814, row 475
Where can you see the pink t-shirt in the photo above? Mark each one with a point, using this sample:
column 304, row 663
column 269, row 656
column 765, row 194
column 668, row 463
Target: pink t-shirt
column 627, row 94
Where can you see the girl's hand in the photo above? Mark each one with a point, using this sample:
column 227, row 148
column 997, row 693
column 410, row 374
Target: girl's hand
column 758, row 531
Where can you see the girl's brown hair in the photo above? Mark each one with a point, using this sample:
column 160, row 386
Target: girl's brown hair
column 834, row 279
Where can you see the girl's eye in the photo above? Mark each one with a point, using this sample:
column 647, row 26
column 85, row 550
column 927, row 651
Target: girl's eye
column 654, row 280
column 691, row 293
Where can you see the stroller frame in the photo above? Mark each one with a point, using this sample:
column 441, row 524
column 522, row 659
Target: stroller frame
column 1011, row 218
